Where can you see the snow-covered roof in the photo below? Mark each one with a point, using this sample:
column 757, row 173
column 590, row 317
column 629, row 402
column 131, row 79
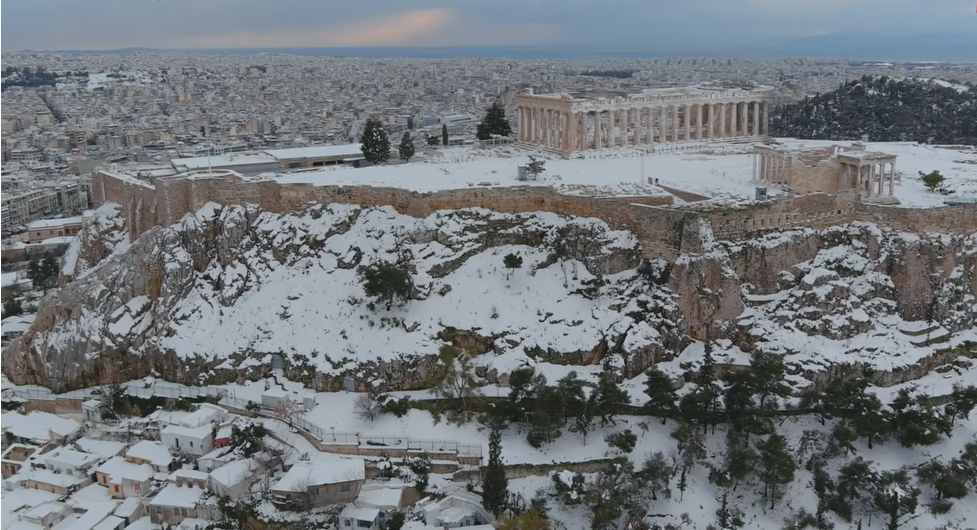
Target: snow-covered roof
column 197, row 433
column 65, row 457
column 151, row 451
column 383, row 497
column 322, row 472
column 16, row 324
column 232, row 160
column 360, row 514
column 109, row 523
column 95, row 513
column 205, row 414
column 181, row 497
column 102, row 448
column 41, row 224
column 117, row 468
column 188, row 474
column 234, row 472
column 319, row 151
column 143, row 523
column 38, row 425
column 63, row 480
column 128, row 507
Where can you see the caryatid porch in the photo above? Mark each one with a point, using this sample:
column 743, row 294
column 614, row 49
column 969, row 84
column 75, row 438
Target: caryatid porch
column 566, row 124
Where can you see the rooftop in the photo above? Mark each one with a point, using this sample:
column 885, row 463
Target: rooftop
column 319, row 151
column 332, row 471
column 117, row 468
column 152, row 452
column 181, row 497
column 41, row 224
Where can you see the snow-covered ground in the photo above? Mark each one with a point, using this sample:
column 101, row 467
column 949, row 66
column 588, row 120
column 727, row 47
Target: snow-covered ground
column 716, row 170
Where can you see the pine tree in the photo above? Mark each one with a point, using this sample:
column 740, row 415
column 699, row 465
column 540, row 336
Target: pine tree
column 963, row 400
column 661, row 397
column 12, row 307
column 494, row 123
column 895, row 497
column 495, row 485
column 931, row 180
column 511, row 262
column 406, row 147
column 386, row 281
column 535, row 167
column 609, row 399
column 777, row 466
column 375, row 145
column 657, row 472
column 916, row 422
column 852, row 489
column 444, row 134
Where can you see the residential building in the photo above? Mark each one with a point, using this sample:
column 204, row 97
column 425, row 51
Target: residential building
column 189, row 477
column 174, row 504
column 59, row 483
column 236, row 478
column 322, row 483
column 155, row 455
column 189, row 440
column 42, row 229
column 14, row 457
column 124, row 479
column 39, row 427
column 66, row 460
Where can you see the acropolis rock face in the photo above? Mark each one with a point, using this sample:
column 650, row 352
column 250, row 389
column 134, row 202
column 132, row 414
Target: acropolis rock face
column 286, row 285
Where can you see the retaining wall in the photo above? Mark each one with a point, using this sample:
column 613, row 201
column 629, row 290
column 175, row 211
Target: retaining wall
column 663, row 231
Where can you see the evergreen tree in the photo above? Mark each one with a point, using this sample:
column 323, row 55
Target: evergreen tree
column 495, row 485
column 691, row 449
column 932, row 180
column 494, row 123
column 777, row 466
column 661, row 397
column 433, row 141
column 963, row 400
column 853, row 489
column 623, row 441
column 386, row 281
column 916, row 422
column 375, row 145
column 895, row 497
column 406, row 147
column 444, row 135
column 511, row 262
column 966, row 464
column 12, row 307
column 657, row 472
column 948, row 481
column 609, row 399
column 535, row 167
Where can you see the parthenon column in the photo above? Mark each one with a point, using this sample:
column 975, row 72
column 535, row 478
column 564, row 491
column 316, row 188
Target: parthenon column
column 661, row 123
column 711, row 130
column 674, row 113
column 756, row 118
column 687, row 118
column 597, row 130
column 764, row 124
column 698, row 121
column 722, row 120
column 733, row 121
column 892, row 177
column 744, row 119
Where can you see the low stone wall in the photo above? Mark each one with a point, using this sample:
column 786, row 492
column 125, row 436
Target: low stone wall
column 54, row 406
column 686, row 196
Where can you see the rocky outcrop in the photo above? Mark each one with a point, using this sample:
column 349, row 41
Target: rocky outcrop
column 270, row 284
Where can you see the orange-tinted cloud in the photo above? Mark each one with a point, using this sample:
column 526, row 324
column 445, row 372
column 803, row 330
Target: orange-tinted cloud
column 396, row 29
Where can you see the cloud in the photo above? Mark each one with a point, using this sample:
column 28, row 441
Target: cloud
column 396, row 29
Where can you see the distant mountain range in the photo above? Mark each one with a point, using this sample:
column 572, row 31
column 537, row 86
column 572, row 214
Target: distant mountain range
column 939, row 48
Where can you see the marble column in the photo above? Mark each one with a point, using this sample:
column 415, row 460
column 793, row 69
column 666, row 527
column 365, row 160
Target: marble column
column 597, row 130
column 722, row 120
column 733, row 119
column 698, row 120
column 892, row 177
column 687, row 121
column 710, row 130
column 661, row 124
column 764, row 123
column 674, row 112
column 651, row 125
column 744, row 117
column 756, row 118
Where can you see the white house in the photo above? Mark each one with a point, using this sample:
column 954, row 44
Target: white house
column 65, row 460
column 191, row 440
column 272, row 397
column 39, row 427
column 44, row 515
column 151, row 453
column 458, row 510
column 360, row 518
column 215, row 459
column 174, row 504
column 101, row 448
column 123, row 478
column 233, row 480
column 189, row 477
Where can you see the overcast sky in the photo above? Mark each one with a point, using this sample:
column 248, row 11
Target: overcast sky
column 631, row 24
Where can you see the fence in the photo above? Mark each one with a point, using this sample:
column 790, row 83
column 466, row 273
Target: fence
column 368, row 441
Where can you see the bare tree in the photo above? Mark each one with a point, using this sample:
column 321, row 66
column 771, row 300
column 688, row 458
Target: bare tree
column 367, row 406
column 287, row 411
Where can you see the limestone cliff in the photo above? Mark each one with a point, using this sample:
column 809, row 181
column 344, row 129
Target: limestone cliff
column 218, row 295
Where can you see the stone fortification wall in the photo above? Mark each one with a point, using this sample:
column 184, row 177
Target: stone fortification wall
column 960, row 219
column 663, row 231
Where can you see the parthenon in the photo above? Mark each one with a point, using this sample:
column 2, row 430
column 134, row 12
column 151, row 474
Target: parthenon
column 570, row 122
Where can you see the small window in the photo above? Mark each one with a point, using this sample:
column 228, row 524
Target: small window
column 137, row 486
column 347, row 522
column 191, row 443
column 318, row 492
column 115, row 489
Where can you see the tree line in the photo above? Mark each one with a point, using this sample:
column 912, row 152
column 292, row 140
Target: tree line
column 886, row 110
